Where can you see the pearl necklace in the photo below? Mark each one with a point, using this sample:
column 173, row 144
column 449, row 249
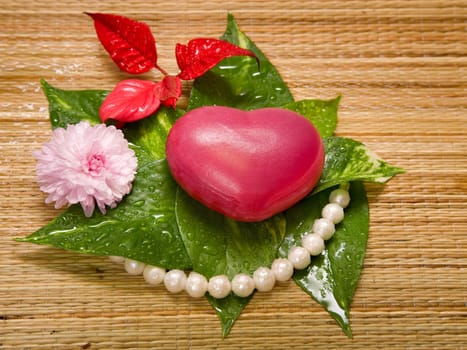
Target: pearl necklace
column 264, row 278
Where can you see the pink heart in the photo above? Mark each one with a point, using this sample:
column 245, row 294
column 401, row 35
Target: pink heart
column 245, row 165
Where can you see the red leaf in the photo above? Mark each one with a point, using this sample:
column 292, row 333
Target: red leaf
column 131, row 100
column 129, row 43
column 171, row 89
column 202, row 54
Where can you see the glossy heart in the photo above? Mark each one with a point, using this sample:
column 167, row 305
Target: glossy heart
column 245, row 165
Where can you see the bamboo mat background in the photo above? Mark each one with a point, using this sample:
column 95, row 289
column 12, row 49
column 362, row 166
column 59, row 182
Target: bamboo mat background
column 401, row 69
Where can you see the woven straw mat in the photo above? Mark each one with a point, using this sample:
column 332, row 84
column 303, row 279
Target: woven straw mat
column 400, row 67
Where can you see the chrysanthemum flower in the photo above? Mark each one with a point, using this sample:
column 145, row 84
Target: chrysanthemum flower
column 86, row 164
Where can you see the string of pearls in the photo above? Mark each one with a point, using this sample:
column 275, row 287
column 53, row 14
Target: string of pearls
column 264, row 278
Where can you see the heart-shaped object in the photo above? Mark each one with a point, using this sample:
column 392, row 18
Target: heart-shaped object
column 245, row 165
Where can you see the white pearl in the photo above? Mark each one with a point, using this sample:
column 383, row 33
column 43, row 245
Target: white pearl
column 134, row 267
column 243, row 285
column 153, row 274
column 117, row 259
column 324, row 227
column 264, row 279
column 314, row 243
column 175, row 280
column 333, row 212
column 282, row 269
column 219, row 286
column 340, row 196
column 196, row 285
column 299, row 257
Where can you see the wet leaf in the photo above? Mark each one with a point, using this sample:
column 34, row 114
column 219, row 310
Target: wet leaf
column 221, row 246
column 72, row 106
column 349, row 160
column 332, row 277
column 322, row 113
column 151, row 133
column 228, row 310
column 141, row 227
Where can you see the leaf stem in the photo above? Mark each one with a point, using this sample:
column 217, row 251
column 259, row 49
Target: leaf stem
column 163, row 71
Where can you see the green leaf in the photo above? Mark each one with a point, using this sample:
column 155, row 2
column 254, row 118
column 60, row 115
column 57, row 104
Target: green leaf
column 71, row 107
column 218, row 245
column 332, row 277
column 349, row 160
column 322, row 113
column 151, row 133
column 238, row 81
column 228, row 310
column 142, row 227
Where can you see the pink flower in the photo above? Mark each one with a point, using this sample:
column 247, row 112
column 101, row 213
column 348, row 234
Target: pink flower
column 86, row 164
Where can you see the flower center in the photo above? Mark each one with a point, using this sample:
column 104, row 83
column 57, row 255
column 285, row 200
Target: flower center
column 95, row 164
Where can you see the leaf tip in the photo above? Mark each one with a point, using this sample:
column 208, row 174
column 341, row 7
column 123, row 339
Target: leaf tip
column 226, row 328
column 90, row 14
column 232, row 22
column 348, row 332
column 45, row 85
column 398, row 170
column 230, row 17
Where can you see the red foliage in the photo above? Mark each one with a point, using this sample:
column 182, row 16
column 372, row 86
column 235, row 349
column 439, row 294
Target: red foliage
column 131, row 100
column 129, row 43
column 132, row 47
column 200, row 55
